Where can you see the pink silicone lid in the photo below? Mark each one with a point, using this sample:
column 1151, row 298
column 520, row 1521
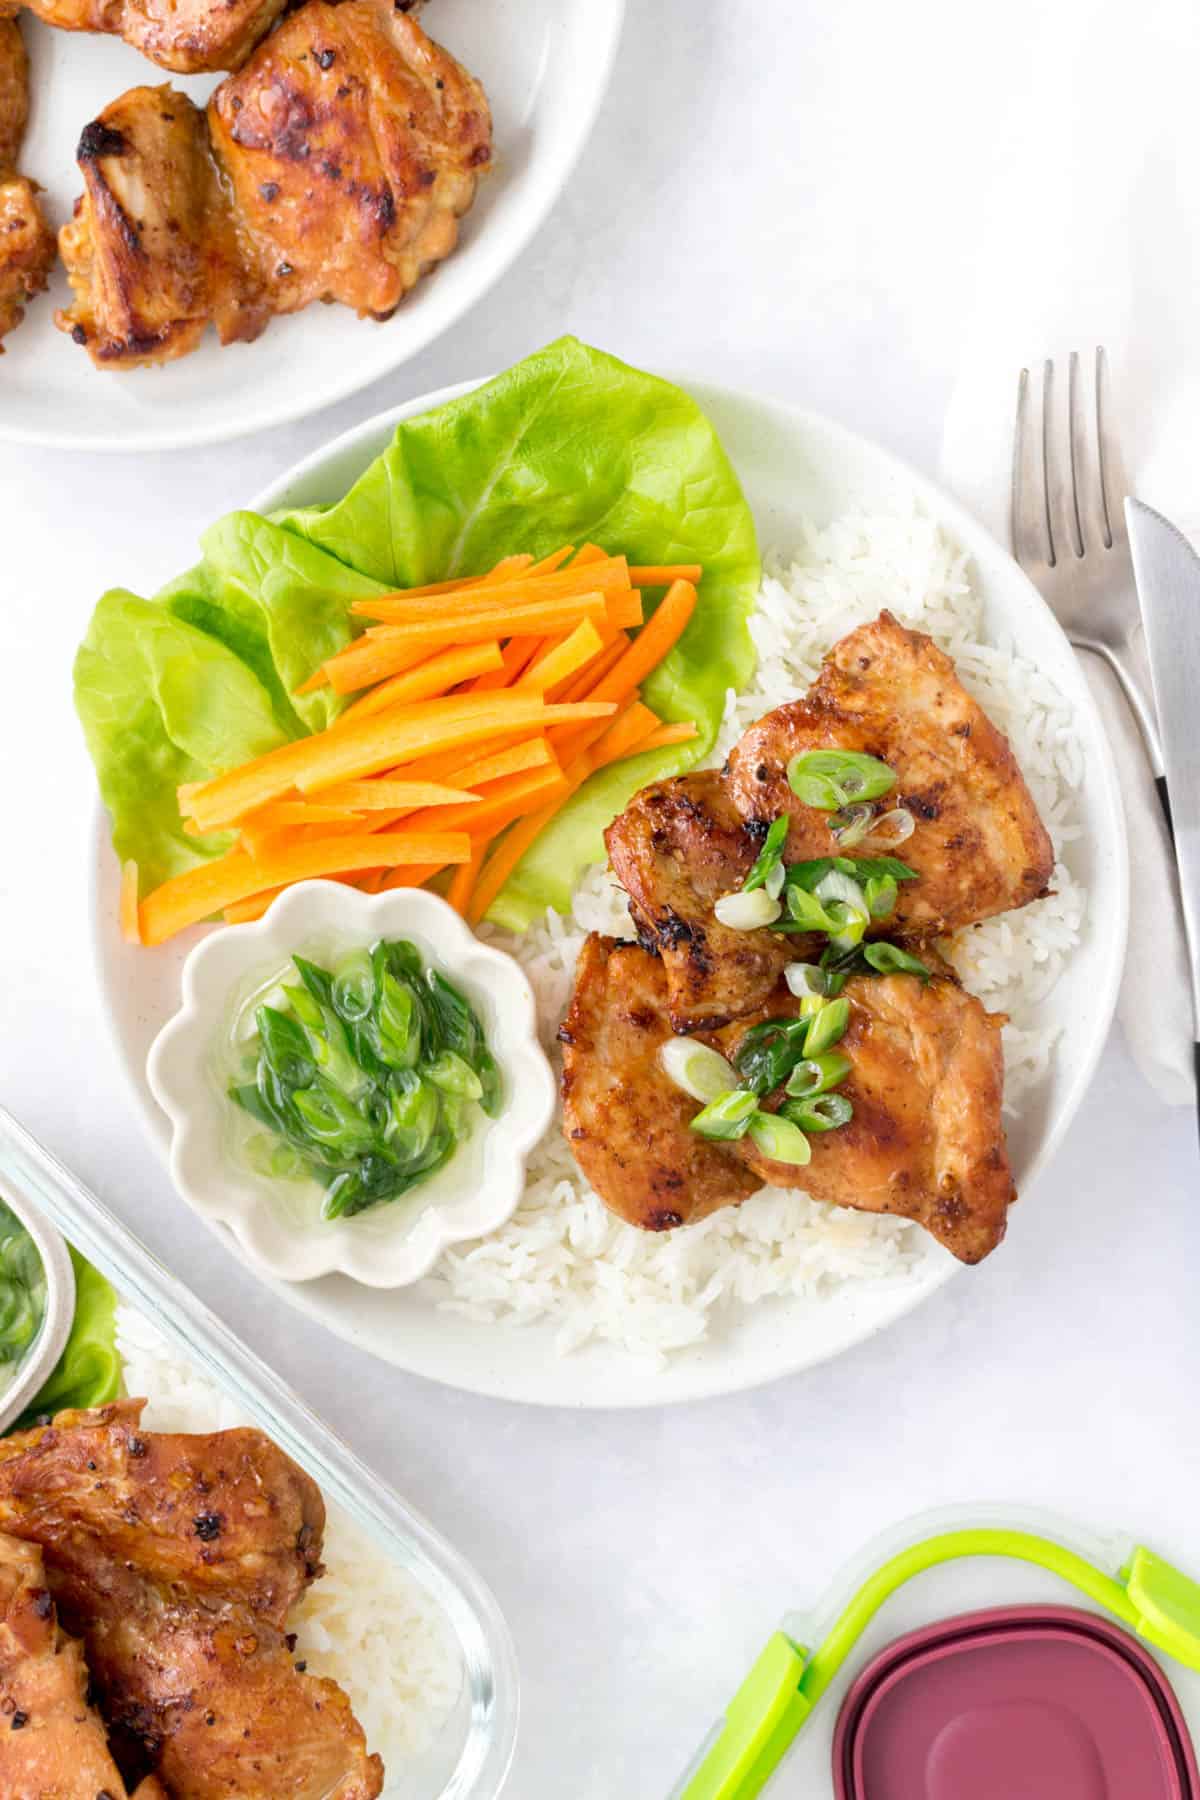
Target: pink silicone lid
column 1045, row 1703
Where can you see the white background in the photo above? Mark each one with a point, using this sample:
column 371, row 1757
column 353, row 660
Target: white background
column 791, row 198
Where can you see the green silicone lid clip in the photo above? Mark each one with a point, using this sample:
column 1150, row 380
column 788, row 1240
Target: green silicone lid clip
column 1150, row 1596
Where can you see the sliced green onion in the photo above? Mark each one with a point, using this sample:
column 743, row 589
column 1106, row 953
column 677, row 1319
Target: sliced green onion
column 747, row 911
column 806, row 910
column 831, row 779
column 890, row 959
column 776, row 881
column 851, row 825
column 454, row 1076
column 699, row 1071
column 895, row 827
column 806, row 981
column 881, row 894
column 838, row 886
column 727, row 1117
column 849, row 925
column 827, row 1028
column 354, row 987
column 817, row 1074
column 823, row 1112
column 780, row 1140
column 769, row 856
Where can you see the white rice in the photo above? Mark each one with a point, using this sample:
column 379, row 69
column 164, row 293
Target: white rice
column 367, row 1623
column 563, row 1257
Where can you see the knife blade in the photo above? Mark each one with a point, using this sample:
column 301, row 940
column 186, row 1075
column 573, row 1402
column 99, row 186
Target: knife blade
column 1167, row 572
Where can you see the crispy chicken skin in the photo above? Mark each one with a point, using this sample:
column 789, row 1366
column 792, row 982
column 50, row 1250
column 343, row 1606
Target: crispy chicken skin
column 26, row 241
column 59, row 1749
column 626, row 1122
column 334, row 166
column 176, row 1559
column 678, row 846
column 187, row 36
column 978, row 845
column 926, row 1141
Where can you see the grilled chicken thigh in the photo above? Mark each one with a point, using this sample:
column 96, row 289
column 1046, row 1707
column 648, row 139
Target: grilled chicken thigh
column 188, row 37
column 925, row 1143
column 176, row 1559
column 334, row 166
column 926, row 1081
column 26, row 241
column 53, row 1744
column 978, row 846
column 626, row 1122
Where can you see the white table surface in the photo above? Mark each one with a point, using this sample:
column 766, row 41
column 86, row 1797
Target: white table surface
column 781, row 197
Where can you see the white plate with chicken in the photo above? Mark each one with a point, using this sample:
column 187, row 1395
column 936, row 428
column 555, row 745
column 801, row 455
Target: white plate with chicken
column 391, row 161
column 891, row 907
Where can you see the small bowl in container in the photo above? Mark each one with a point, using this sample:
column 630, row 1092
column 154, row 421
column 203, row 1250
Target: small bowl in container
column 19, row 1385
column 277, row 1222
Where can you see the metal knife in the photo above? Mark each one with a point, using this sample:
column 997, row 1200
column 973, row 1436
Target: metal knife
column 1167, row 572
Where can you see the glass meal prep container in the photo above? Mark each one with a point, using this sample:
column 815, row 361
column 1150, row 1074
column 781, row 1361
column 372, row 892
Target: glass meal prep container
column 470, row 1751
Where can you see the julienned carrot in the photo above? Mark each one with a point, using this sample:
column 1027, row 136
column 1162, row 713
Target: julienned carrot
column 625, row 609
column 514, row 759
column 667, row 735
column 559, row 661
column 373, row 657
column 517, row 654
column 555, row 560
column 611, row 575
column 128, row 909
column 660, row 633
column 624, row 734
column 196, row 895
column 464, row 878
column 485, row 817
column 436, row 675
column 588, row 553
column 663, row 574
column 408, row 875
column 381, row 794
column 347, row 752
column 299, row 812
column 587, row 678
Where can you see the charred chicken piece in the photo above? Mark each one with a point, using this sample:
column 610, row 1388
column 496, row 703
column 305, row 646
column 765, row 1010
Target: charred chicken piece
column 626, row 1122
column 926, row 1141
column 189, row 37
column 176, row 1558
column 26, row 241
column 978, row 845
column 334, row 166
column 678, row 846
column 52, row 1741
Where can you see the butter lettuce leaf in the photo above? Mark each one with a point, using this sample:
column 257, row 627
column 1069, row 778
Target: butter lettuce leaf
column 570, row 446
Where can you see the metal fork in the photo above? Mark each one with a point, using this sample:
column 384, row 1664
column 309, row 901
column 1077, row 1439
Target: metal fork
column 1068, row 526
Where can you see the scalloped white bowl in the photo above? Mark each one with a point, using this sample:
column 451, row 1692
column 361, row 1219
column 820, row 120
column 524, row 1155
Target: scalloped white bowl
column 277, row 1223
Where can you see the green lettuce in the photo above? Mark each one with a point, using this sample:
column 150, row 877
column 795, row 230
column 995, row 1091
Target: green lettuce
column 88, row 1373
column 569, row 446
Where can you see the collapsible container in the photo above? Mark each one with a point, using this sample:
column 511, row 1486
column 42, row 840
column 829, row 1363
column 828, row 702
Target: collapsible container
column 943, row 1664
column 470, row 1751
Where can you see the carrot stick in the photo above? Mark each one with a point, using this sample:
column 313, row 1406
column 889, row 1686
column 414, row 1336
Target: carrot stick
column 565, row 584
column 625, row 609
column 548, row 564
column 517, row 653
column 508, row 565
column 486, row 817
column 381, row 794
column 663, row 574
column 347, row 752
column 187, row 899
column 644, row 654
column 436, row 675
column 464, row 877
column 530, row 753
column 590, row 553
column 667, row 735
column 558, row 662
column 407, row 875
column 373, row 656
column 625, row 734
column 128, row 909
column 597, row 670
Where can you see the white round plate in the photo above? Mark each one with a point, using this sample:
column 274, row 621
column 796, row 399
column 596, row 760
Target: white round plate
column 545, row 65
column 793, row 466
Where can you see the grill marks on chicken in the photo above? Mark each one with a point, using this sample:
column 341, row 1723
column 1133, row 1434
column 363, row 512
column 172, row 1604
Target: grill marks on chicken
column 52, row 1741
column 26, row 241
column 625, row 1121
column 176, row 1560
column 188, row 36
column 335, row 166
column 926, row 1141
